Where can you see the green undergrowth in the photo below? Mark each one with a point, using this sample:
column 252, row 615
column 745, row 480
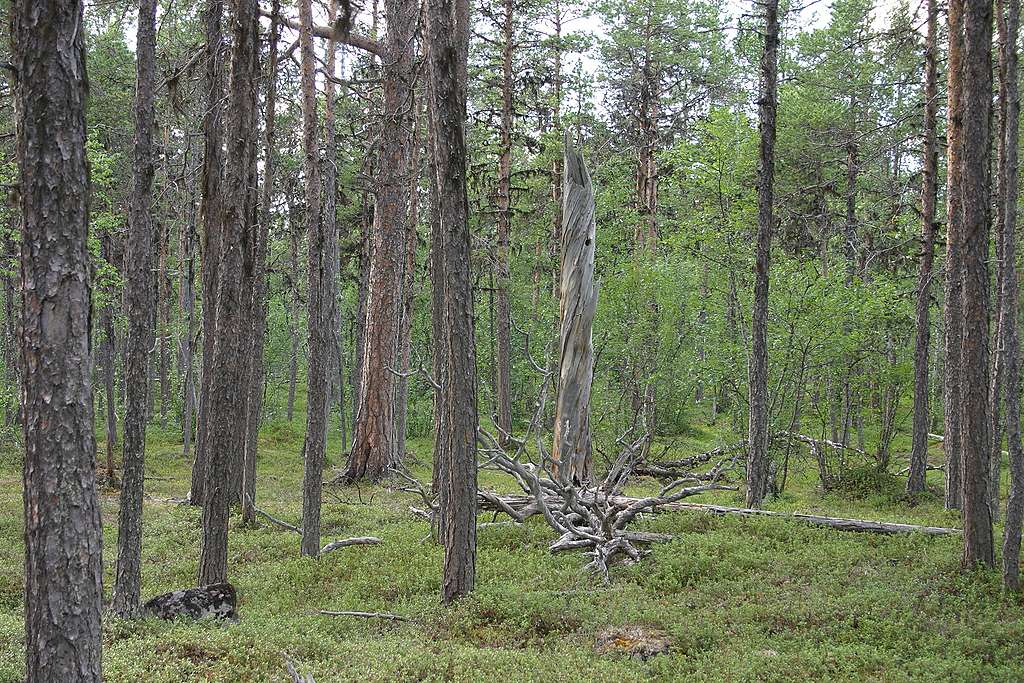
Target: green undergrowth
column 739, row 599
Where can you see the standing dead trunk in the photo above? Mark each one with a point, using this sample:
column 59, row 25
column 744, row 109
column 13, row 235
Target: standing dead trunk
column 952, row 398
column 929, row 190
column 63, row 541
column 1009, row 22
column 211, row 210
column 977, row 82
column 757, row 459
column 259, row 302
column 448, row 45
column 139, row 302
column 227, row 413
column 571, row 454
column 315, row 445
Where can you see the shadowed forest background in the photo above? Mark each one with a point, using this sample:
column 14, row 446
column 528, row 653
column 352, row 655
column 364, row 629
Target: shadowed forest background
column 420, row 325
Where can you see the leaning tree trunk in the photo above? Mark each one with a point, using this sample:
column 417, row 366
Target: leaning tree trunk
column 929, row 188
column 139, row 300
column 1008, row 28
column 977, row 82
column 757, row 460
column 63, row 541
column 571, row 453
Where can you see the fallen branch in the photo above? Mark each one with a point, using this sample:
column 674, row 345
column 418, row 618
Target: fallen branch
column 366, row 615
column 278, row 522
column 345, row 542
column 294, row 672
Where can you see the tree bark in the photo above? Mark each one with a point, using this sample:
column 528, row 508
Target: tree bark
column 1009, row 22
column 448, row 40
column 929, row 190
column 757, row 459
column 227, row 413
column 63, row 542
column 259, row 301
column 571, row 454
column 502, row 360
column 108, row 354
column 139, row 301
column 408, row 293
column 187, row 333
column 315, row 445
column 211, row 210
column 977, row 84
column 953, row 317
column 373, row 439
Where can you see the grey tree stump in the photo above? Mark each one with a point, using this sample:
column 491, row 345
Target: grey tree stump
column 571, row 452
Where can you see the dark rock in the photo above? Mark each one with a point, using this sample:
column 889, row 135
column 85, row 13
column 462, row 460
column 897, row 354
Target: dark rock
column 216, row 601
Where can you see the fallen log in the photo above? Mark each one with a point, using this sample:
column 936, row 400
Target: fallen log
column 525, row 506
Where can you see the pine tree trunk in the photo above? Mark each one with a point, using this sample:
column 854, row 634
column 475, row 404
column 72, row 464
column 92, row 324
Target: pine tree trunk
column 977, row 82
column 211, row 210
column 373, row 439
column 1009, row 22
column 408, row 293
column 929, row 190
column 315, row 445
column 448, row 40
column 953, row 443
column 230, row 376
column 162, row 309
column 259, row 302
column 139, row 301
column 63, row 542
column 757, row 459
column 186, row 305
column 294, row 276
column 502, row 360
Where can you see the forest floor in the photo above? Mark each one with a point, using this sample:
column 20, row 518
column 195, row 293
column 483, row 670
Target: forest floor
column 737, row 599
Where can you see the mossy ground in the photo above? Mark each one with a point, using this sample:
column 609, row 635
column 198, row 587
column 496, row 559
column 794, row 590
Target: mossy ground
column 739, row 599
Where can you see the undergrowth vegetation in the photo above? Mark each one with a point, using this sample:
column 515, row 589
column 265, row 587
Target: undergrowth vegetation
column 737, row 599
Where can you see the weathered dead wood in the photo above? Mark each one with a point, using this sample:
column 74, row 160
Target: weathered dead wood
column 524, row 507
column 293, row 671
column 584, row 518
column 277, row 522
column 345, row 542
column 365, row 615
column 571, row 454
